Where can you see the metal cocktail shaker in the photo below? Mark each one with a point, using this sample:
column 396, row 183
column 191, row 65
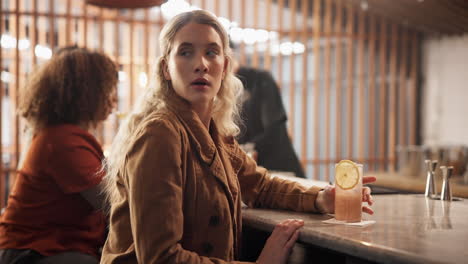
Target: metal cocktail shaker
column 446, row 194
column 431, row 166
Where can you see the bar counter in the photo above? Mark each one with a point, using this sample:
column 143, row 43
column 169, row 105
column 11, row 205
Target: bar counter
column 417, row 184
column 408, row 229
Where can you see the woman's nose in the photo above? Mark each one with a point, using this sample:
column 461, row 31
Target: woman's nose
column 201, row 65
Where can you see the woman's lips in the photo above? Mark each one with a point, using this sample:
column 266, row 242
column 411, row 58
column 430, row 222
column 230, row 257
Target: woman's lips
column 200, row 84
column 200, row 87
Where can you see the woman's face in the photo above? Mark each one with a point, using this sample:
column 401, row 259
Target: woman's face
column 110, row 105
column 196, row 64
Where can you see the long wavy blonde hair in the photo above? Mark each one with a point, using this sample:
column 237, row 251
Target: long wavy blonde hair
column 226, row 104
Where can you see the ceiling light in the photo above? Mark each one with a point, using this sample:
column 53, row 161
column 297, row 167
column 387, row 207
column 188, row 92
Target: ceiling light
column 364, row 5
column 143, row 79
column 43, row 52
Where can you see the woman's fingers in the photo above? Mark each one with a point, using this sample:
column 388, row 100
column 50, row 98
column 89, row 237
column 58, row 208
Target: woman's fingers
column 278, row 246
column 285, row 230
column 366, row 195
column 329, row 188
column 367, row 210
column 291, row 227
column 368, row 179
column 292, row 233
column 325, row 201
column 289, row 245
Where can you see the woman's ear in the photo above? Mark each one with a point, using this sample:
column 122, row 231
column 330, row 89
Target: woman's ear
column 165, row 69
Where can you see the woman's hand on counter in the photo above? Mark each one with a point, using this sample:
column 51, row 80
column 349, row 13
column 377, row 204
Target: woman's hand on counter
column 366, row 194
column 325, row 202
column 279, row 245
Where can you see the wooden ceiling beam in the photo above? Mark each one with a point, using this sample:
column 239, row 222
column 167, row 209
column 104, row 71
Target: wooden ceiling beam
column 380, row 11
column 424, row 13
column 442, row 17
column 447, row 17
column 461, row 15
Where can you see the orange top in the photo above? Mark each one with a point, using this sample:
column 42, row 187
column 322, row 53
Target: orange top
column 45, row 210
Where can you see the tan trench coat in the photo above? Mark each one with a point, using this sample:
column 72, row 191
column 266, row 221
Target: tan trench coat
column 181, row 191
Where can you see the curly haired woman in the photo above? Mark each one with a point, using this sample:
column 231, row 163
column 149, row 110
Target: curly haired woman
column 54, row 209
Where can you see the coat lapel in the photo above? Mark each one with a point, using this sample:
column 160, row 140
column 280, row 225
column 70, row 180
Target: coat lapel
column 226, row 164
column 232, row 151
column 203, row 143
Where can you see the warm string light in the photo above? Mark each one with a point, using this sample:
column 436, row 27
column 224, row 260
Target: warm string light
column 248, row 36
column 9, row 42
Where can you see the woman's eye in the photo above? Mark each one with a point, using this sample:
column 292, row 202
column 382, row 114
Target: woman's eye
column 184, row 53
column 212, row 53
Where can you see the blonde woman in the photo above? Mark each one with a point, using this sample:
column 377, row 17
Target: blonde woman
column 176, row 175
column 54, row 212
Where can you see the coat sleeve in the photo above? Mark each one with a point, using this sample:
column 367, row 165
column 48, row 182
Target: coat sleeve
column 261, row 190
column 155, row 185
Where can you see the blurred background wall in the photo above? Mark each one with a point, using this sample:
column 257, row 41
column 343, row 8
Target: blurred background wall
column 350, row 72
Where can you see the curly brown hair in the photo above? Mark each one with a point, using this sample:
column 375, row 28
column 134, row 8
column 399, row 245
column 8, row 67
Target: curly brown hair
column 76, row 86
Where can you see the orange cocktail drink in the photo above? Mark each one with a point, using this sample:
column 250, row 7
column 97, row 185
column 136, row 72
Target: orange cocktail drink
column 348, row 191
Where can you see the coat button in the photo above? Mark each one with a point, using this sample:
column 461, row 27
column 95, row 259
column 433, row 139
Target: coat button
column 214, row 220
column 207, row 248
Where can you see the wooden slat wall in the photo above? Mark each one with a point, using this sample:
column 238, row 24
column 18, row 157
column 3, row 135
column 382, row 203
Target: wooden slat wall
column 2, row 175
column 130, row 57
column 68, row 22
column 392, row 95
column 100, row 27
column 101, row 129
column 402, row 95
column 268, row 19
column 33, row 32
column 338, row 81
column 243, row 25
column 279, row 59
column 51, row 23
column 382, row 91
column 83, row 41
column 415, row 46
column 326, row 72
column 146, row 45
column 255, row 25
column 14, row 89
column 372, row 89
column 316, row 87
column 361, row 116
column 304, row 37
column 347, row 52
column 292, row 81
column 350, row 15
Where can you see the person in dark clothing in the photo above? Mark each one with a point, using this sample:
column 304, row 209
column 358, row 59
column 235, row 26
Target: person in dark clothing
column 265, row 119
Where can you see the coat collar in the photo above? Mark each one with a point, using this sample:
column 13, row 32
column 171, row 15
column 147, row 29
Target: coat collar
column 199, row 135
column 204, row 141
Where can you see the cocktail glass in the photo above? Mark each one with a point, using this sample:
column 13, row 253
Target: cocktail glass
column 348, row 202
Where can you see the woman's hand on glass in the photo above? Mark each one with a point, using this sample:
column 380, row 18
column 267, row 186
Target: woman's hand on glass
column 325, row 202
column 279, row 245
